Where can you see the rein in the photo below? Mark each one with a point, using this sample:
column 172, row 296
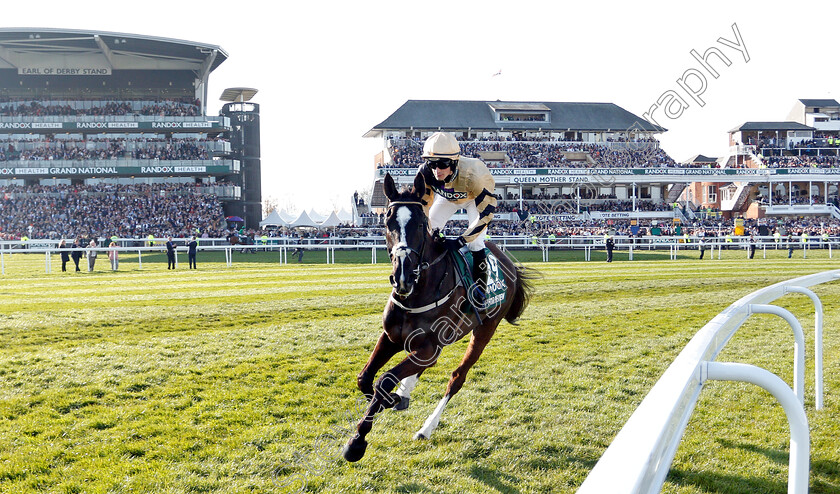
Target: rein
column 427, row 307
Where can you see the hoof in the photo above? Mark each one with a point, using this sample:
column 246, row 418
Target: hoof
column 354, row 450
column 403, row 404
column 420, row 437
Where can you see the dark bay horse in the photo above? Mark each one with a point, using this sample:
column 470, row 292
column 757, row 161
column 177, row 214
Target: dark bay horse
column 429, row 309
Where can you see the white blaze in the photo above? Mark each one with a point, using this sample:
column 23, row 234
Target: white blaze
column 401, row 249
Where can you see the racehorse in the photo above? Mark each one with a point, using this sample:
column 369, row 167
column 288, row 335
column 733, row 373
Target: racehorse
column 429, row 308
column 242, row 240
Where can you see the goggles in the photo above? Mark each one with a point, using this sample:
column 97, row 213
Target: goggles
column 441, row 163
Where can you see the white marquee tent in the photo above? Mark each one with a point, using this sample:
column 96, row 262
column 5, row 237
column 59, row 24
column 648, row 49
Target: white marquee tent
column 345, row 216
column 303, row 221
column 287, row 216
column 273, row 219
column 316, row 217
column 333, row 220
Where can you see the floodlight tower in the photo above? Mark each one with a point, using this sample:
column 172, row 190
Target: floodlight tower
column 245, row 146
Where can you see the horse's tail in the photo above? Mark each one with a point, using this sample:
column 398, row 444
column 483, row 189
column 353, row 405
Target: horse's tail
column 523, row 289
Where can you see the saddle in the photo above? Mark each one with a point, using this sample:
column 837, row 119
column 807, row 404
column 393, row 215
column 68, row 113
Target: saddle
column 496, row 284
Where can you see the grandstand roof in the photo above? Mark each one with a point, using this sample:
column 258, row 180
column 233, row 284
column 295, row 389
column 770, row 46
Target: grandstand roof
column 22, row 48
column 819, row 102
column 480, row 116
column 770, row 126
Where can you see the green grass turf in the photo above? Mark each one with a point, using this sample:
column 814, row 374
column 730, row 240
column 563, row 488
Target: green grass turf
column 242, row 379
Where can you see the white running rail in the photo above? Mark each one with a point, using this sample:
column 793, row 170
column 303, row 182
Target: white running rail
column 640, row 456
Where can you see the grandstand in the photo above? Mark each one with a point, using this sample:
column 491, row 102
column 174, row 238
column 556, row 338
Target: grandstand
column 558, row 164
column 87, row 115
column 787, row 168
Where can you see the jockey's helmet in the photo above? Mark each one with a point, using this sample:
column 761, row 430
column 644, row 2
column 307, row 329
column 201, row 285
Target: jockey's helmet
column 441, row 145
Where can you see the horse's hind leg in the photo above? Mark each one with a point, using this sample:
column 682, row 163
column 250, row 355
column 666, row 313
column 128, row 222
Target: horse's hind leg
column 478, row 340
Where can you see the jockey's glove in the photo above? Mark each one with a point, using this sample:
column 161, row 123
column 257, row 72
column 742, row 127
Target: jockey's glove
column 448, row 243
column 455, row 243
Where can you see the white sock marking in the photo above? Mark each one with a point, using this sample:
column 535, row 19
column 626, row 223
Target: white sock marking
column 434, row 419
column 407, row 386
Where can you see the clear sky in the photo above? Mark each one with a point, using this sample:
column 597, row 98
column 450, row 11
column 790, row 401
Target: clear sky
column 327, row 72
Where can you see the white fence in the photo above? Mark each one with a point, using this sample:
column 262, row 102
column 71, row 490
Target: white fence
column 328, row 246
column 640, row 456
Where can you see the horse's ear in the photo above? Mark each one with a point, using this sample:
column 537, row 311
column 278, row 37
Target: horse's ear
column 419, row 185
column 390, row 187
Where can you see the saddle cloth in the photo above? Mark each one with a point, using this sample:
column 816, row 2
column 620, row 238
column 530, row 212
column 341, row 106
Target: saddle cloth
column 496, row 284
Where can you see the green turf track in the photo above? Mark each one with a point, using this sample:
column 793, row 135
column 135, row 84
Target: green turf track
column 242, row 379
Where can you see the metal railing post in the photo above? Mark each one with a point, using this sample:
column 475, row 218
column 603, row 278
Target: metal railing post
column 800, row 441
column 798, row 346
column 818, row 342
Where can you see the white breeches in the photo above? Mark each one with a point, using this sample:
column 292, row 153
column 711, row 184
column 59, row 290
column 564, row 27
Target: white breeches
column 443, row 209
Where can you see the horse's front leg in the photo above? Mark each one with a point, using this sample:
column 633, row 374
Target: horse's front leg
column 382, row 353
column 383, row 397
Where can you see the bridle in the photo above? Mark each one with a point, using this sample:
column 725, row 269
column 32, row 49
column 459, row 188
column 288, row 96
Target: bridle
column 421, row 265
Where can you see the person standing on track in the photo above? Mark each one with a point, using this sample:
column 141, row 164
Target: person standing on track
column 76, row 255
column 170, row 253
column 65, row 256
column 192, row 248
column 610, row 244
column 113, row 256
column 91, row 255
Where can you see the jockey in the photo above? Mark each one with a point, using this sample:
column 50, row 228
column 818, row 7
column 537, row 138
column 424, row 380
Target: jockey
column 454, row 182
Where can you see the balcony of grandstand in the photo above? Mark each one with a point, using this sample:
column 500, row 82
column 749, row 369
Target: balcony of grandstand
column 35, row 147
column 788, row 144
column 79, row 108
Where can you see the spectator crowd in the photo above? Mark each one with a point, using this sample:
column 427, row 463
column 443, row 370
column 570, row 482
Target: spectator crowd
column 163, row 108
column 539, row 154
column 562, row 154
column 103, row 149
column 104, row 210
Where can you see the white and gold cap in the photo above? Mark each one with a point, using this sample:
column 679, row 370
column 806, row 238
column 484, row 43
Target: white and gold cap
column 441, row 145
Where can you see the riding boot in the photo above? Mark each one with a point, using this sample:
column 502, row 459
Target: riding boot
column 479, row 273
